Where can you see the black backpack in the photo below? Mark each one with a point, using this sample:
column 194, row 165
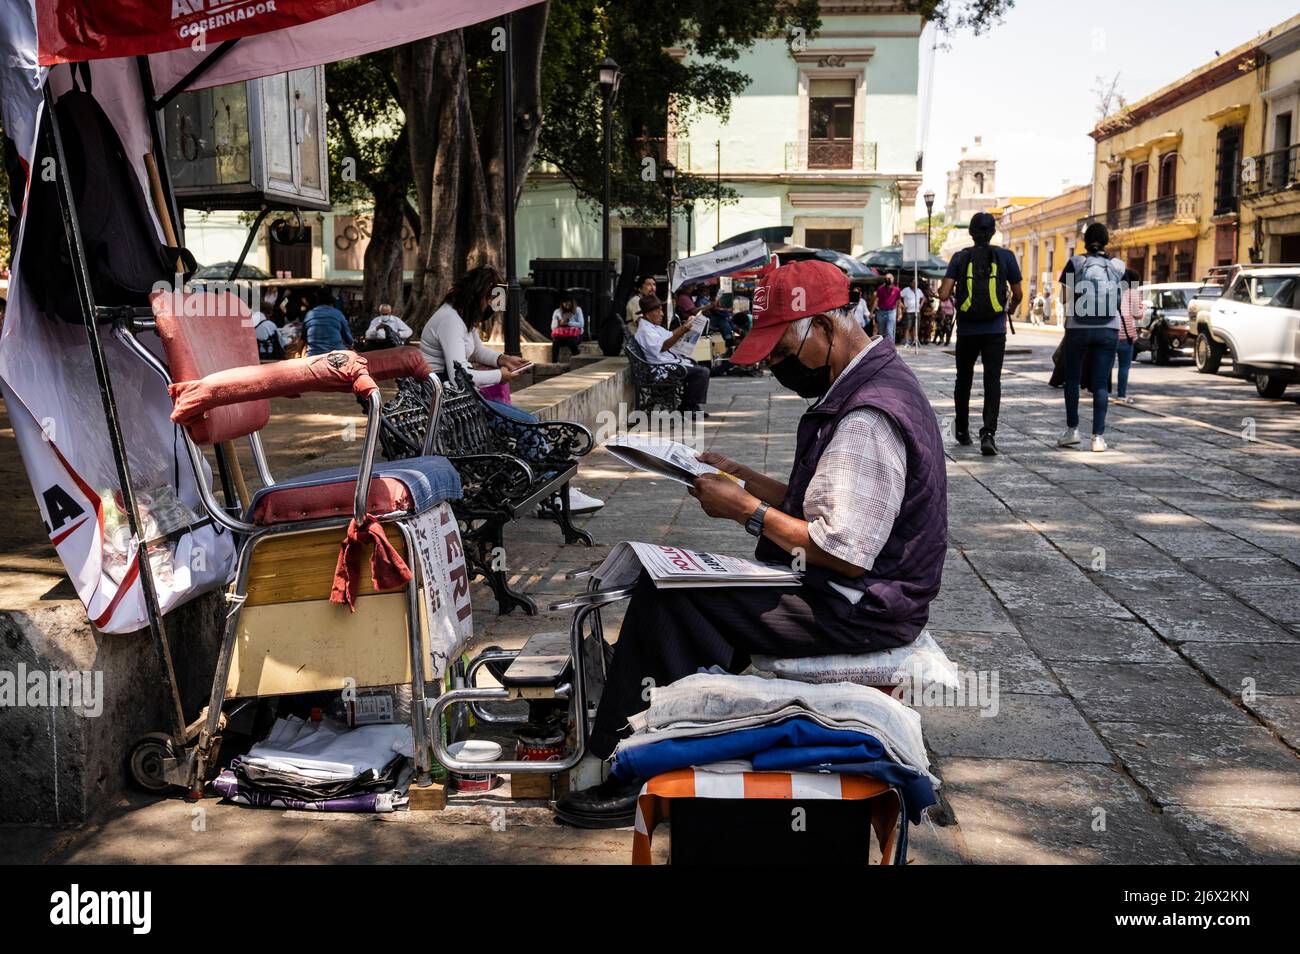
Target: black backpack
column 983, row 286
column 123, row 254
column 269, row 349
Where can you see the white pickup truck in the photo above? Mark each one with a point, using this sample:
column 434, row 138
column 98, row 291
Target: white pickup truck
column 1251, row 313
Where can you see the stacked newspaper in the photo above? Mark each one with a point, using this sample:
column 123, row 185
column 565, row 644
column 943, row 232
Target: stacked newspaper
column 674, row 567
column 663, row 457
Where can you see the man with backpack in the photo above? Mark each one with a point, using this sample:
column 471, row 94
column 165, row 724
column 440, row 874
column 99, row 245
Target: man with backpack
column 986, row 281
column 1093, row 286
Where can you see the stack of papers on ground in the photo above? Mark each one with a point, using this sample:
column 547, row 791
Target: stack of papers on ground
column 328, row 752
column 671, row 567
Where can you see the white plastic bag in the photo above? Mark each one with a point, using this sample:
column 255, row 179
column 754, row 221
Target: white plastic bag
column 920, row 663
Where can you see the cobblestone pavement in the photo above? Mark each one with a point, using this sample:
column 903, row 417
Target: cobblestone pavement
column 1140, row 608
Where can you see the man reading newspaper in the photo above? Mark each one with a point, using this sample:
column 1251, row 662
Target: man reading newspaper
column 863, row 514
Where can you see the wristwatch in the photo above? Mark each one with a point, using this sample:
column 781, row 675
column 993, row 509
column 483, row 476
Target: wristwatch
column 755, row 522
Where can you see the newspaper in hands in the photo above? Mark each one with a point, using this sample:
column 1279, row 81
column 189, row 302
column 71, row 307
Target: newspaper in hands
column 663, row 457
column 685, row 346
column 675, row 567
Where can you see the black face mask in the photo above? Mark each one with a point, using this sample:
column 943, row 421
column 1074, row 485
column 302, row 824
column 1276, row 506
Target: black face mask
column 804, row 381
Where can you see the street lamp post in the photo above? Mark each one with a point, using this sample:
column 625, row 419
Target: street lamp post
column 510, row 333
column 607, row 73
column 929, row 215
column 669, row 173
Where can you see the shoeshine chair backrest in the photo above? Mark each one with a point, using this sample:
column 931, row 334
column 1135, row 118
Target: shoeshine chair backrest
column 204, row 332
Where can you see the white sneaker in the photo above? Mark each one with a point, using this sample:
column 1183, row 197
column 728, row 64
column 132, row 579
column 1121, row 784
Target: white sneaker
column 1098, row 443
column 1069, row 437
column 583, row 503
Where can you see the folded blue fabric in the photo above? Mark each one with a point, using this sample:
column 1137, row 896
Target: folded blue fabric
column 797, row 744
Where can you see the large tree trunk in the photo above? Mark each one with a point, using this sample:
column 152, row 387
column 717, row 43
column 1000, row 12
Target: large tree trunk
column 458, row 177
column 383, row 259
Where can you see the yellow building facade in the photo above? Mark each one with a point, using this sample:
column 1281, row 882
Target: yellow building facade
column 1168, row 169
column 1270, row 178
column 1043, row 235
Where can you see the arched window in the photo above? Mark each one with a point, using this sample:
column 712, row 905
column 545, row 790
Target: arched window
column 979, row 183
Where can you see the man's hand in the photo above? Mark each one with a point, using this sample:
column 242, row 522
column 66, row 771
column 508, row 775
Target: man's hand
column 722, row 497
column 724, row 464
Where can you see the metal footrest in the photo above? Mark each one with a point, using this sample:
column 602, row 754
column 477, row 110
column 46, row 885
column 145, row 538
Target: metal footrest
column 541, row 666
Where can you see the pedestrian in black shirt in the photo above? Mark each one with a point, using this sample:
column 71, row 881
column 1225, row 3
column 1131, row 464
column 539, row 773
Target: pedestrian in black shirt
column 986, row 281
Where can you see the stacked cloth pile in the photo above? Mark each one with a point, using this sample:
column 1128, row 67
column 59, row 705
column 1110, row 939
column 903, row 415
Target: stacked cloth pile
column 744, row 723
column 323, row 766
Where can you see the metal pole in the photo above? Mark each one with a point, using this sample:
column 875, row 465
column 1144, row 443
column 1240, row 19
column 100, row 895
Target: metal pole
column 670, row 257
column 508, row 181
column 72, row 230
column 606, row 277
column 717, row 184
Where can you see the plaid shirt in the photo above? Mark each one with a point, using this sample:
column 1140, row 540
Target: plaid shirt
column 857, row 489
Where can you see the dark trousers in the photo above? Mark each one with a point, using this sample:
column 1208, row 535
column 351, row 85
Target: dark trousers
column 557, row 343
column 697, row 387
column 989, row 349
column 1099, row 345
column 670, row 634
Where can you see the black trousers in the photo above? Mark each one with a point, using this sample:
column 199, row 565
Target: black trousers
column 697, row 387
column 670, row 634
column 989, row 349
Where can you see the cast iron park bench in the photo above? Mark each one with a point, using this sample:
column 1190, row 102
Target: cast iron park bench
column 659, row 387
column 508, row 469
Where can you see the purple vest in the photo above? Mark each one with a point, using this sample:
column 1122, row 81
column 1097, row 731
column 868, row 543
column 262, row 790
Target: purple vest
column 906, row 575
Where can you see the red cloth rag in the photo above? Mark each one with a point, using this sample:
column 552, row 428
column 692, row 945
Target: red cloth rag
column 388, row 570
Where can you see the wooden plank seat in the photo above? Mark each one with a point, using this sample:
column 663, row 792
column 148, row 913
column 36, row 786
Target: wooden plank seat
column 659, row 387
column 508, row 469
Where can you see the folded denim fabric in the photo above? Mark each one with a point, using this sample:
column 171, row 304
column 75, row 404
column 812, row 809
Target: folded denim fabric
column 705, row 703
column 797, row 744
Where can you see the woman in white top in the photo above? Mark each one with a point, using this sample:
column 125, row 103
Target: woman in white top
column 566, row 327
column 450, row 338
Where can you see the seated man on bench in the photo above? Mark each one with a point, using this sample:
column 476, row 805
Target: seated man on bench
column 864, row 512
column 657, row 342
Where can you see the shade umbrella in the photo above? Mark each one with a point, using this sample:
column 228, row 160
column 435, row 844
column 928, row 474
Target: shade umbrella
column 890, row 259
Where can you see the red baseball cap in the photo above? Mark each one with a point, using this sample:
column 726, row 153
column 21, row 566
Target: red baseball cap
column 787, row 294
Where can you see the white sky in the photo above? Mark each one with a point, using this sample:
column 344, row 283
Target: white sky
column 1027, row 86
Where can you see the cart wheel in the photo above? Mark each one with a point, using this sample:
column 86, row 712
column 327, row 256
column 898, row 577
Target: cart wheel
column 146, row 761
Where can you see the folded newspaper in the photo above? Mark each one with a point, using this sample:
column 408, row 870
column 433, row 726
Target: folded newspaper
column 673, row 567
column 663, row 457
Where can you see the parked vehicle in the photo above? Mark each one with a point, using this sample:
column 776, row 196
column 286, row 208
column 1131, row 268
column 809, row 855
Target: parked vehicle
column 1254, row 320
column 1164, row 330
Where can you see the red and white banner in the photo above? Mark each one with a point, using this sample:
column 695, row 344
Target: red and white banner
column 73, row 30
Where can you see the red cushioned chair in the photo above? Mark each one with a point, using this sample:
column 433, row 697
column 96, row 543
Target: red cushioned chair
column 221, row 393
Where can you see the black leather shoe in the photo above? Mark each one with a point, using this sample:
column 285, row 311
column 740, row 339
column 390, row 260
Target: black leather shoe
column 963, row 438
column 611, row 804
column 987, row 447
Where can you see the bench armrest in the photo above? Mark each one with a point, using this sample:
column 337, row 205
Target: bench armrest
column 550, row 442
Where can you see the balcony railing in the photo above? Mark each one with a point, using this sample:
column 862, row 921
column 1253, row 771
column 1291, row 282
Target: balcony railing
column 1161, row 211
column 810, row 154
column 1270, row 172
column 677, row 151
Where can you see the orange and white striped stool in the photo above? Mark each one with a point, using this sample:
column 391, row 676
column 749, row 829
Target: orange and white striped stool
column 654, row 804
